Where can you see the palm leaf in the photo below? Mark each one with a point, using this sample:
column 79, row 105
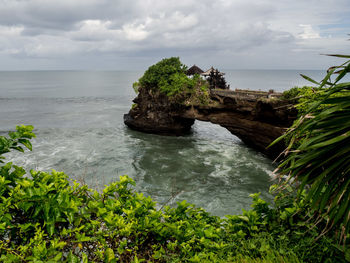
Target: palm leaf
column 318, row 153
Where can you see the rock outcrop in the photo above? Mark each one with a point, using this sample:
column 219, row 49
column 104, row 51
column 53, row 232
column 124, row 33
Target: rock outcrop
column 256, row 121
column 155, row 113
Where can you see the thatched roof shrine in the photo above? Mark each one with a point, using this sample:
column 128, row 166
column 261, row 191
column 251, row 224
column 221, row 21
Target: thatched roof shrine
column 194, row 70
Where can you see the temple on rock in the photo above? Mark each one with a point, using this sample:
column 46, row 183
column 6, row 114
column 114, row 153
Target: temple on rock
column 212, row 71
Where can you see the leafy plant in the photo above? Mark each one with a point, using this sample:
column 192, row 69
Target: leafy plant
column 318, row 155
column 21, row 137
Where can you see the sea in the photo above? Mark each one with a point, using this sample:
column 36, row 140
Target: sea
column 78, row 120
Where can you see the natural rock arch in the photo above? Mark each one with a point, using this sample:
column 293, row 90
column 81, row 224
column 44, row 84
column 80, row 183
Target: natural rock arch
column 257, row 121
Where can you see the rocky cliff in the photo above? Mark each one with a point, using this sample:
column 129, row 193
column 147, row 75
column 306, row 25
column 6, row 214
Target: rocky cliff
column 154, row 112
column 257, row 121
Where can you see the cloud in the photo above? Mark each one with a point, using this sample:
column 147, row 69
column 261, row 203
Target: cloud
column 223, row 31
column 308, row 32
column 135, row 32
column 93, row 30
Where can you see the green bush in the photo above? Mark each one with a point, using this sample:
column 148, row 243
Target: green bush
column 168, row 76
column 303, row 96
column 46, row 218
column 295, row 93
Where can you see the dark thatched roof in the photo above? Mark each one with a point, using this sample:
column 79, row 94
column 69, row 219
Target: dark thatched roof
column 194, row 70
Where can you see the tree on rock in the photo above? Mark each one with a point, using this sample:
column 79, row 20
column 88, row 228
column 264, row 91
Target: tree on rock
column 216, row 80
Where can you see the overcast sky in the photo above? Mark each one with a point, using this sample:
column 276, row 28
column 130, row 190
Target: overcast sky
column 133, row 34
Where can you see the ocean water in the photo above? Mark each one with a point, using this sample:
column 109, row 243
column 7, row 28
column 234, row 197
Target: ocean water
column 78, row 120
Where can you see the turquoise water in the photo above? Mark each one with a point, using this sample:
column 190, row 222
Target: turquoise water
column 78, row 119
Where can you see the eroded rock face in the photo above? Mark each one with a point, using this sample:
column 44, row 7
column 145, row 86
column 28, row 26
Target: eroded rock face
column 154, row 113
column 256, row 122
column 256, row 127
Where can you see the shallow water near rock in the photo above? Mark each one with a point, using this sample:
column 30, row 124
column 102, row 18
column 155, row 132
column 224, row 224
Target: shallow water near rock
column 78, row 119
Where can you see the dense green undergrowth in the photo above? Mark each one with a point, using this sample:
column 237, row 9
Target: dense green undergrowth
column 305, row 96
column 45, row 217
column 302, row 96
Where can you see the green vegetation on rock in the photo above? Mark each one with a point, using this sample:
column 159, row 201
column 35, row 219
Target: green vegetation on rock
column 303, row 97
column 168, row 76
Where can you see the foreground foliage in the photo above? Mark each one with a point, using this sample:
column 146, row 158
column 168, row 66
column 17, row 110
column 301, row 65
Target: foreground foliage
column 46, row 218
column 318, row 154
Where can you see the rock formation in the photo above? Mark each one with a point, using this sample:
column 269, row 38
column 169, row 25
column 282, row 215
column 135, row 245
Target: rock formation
column 257, row 121
column 154, row 113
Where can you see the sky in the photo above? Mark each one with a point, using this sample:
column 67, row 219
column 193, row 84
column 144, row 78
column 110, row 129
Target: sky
column 134, row 34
